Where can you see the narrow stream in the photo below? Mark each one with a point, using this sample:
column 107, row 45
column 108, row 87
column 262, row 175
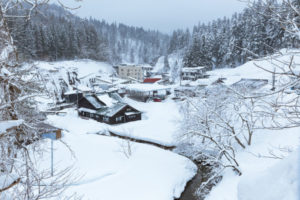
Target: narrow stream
column 192, row 186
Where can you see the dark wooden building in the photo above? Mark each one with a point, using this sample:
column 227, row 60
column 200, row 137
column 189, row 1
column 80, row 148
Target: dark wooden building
column 92, row 107
column 72, row 97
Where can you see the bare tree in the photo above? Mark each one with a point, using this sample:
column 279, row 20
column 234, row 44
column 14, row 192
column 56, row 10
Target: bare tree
column 20, row 178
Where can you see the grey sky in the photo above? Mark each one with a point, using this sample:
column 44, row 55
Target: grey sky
column 164, row 15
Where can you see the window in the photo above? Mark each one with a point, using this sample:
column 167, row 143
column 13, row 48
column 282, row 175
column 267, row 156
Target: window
column 119, row 119
column 106, row 119
column 131, row 116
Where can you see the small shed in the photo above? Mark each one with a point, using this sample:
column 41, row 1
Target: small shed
column 49, row 131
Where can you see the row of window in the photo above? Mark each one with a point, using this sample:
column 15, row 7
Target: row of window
column 105, row 118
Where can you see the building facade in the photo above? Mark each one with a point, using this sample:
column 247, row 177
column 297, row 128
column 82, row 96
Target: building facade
column 131, row 72
column 106, row 110
column 192, row 73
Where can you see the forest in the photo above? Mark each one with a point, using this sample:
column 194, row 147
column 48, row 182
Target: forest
column 57, row 34
column 226, row 42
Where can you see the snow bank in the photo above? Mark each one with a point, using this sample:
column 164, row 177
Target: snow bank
column 253, row 69
column 4, row 125
column 76, row 125
column 146, row 87
column 84, row 67
column 279, row 182
column 149, row 173
column 159, row 66
column 263, row 177
column 158, row 124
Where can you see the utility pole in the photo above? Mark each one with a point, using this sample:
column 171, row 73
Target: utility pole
column 180, row 76
column 273, row 80
column 52, row 155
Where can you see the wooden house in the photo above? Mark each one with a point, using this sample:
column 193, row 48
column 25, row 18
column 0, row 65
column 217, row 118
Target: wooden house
column 102, row 109
column 72, row 96
column 193, row 73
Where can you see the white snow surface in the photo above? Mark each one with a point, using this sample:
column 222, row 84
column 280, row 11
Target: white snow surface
column 146, row 87
column 85, row 67
column 4, row 125
column 279, row 182
column 105, row 98
column 149, row 173
column 263, row 178
column 159, row 66
column 159, row 122
column 260, row 68
column 54, row 73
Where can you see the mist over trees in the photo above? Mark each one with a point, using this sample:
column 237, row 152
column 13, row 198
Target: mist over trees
column 226, row 42
column 230, row 42
column 59, row 35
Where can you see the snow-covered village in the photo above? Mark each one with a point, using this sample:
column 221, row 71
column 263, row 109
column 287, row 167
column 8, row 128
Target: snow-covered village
column 150, row 100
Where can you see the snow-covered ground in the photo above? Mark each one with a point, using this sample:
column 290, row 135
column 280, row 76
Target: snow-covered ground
column 159, row 122
column 152, row 173
column 83, row 67
column 271, row 165
column 107, row 173
column 260, row 68
column 57, row 75
column 264, row 178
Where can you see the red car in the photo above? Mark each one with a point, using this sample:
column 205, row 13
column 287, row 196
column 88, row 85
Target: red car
column 156, row 99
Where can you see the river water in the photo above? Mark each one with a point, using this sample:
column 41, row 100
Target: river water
column 203, row 173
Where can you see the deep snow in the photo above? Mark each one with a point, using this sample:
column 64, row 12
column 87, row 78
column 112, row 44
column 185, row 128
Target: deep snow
column 149, row 173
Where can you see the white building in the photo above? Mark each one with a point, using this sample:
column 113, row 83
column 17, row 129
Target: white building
column 131, row 72
column 192, row 73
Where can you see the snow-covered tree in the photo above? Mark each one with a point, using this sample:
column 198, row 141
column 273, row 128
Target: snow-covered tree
column 21, row 142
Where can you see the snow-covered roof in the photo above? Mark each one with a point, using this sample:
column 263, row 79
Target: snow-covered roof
column 86, row 110
column 147, row 66
column 105, row 98
column 72, row 92
column 146, row 87
column 4, row 125
column 131, row 113
column 192, row 69
column 111, row 111
column 83, row 88
column 94, row 101
column 251, row 83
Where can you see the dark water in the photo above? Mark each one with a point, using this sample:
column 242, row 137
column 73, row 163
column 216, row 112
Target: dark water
column 203, row 174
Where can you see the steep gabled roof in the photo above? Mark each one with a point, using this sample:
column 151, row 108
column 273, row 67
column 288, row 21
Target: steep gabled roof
column 115, row 109
column 111, row 111
column 94, row 101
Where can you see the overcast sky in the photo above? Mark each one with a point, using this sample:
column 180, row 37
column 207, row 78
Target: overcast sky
column 163, row 15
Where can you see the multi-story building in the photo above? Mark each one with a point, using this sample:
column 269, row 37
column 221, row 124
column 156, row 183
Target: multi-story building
column 192, row 73
column 130, row 72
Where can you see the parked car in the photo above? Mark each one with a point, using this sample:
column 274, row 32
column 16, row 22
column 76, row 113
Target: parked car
column 157, row 99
